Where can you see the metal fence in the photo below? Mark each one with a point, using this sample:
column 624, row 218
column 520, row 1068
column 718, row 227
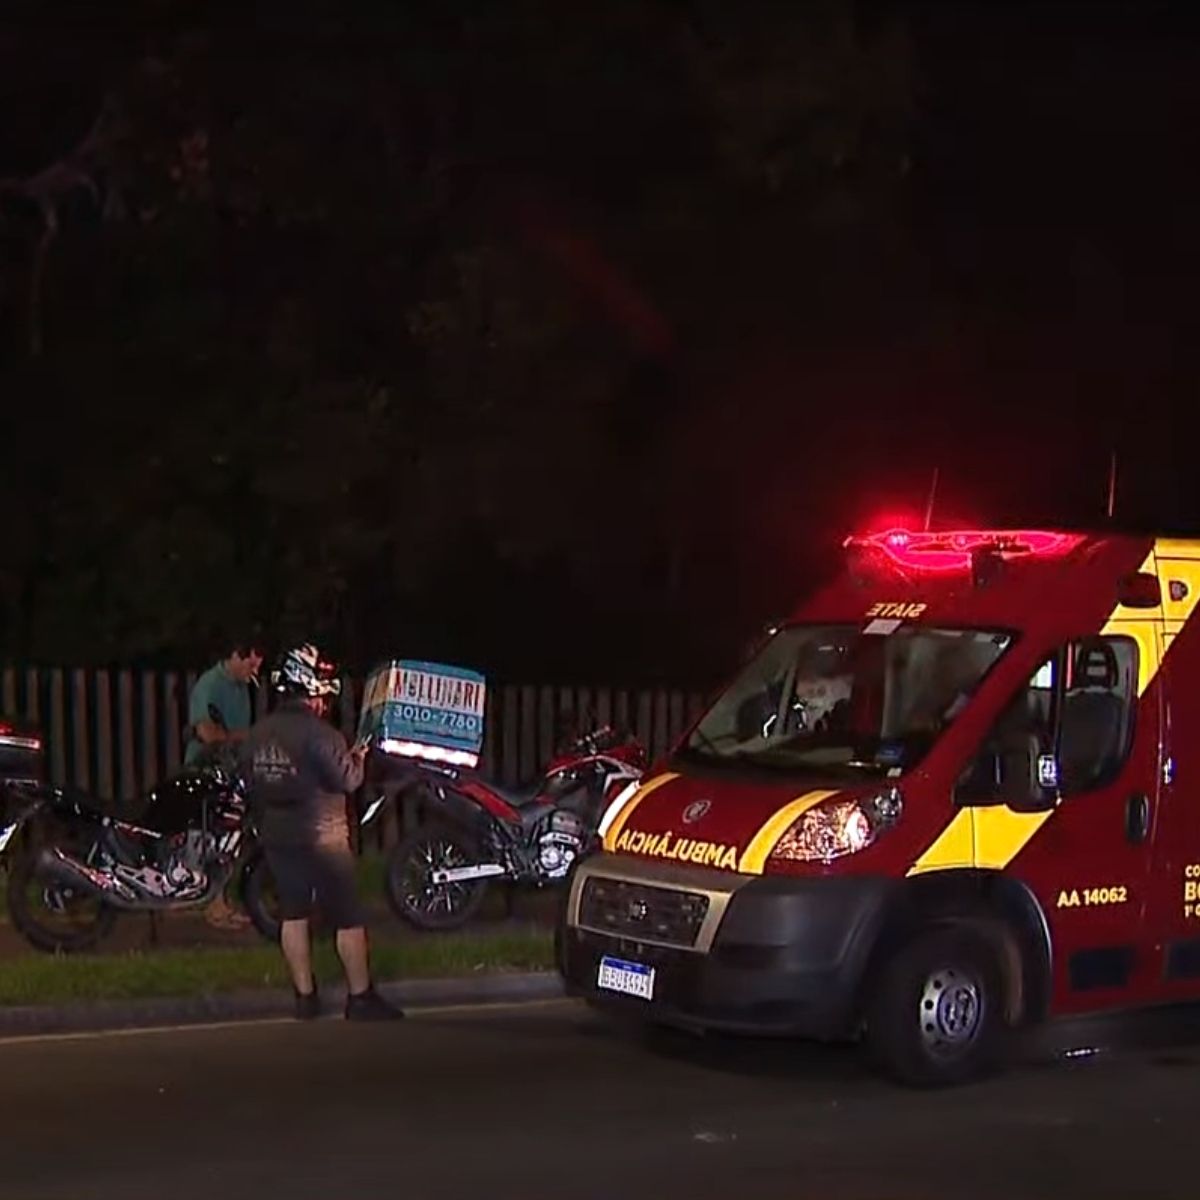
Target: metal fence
column 116, row 733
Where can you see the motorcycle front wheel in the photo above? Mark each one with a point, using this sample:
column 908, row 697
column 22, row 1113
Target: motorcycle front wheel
column 414, row 898
column 50, row 915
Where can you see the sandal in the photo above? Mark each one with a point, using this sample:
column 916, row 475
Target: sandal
column 228, row 919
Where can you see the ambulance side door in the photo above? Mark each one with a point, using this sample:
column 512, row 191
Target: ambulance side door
column 1087, row 856
column 1100, row 852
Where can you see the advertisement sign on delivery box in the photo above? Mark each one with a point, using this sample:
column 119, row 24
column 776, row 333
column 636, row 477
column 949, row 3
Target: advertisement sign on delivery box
column 425, row 710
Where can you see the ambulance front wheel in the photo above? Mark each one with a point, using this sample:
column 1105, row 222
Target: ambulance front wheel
column 935, row 1012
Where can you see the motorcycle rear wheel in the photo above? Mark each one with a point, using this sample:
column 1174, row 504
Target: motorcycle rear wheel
column 448, row 905
column 28, row 912
column 258, row 898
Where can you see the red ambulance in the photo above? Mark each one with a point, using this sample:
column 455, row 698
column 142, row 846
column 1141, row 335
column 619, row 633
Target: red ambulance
column 956, row 794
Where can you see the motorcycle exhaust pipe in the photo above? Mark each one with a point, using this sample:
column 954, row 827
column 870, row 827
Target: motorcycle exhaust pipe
column 71, row 872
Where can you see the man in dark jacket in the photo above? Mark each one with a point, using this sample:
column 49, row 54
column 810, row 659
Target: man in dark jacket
column 299, row 770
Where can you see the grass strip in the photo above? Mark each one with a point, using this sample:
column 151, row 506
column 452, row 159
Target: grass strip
column 371, row 871
column 206, row 972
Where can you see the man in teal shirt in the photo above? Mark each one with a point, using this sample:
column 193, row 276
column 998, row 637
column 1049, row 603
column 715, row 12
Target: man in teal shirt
column 223, row 690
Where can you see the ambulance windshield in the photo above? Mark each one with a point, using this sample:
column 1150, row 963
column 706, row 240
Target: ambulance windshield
column 833, row 698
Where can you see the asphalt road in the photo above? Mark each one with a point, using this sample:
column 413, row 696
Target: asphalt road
column 546, row 1101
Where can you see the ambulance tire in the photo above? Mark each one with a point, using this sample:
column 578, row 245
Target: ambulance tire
column 935, row 1012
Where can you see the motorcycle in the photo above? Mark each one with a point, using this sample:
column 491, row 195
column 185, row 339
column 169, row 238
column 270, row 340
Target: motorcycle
column 76, row 861
column 476, row 832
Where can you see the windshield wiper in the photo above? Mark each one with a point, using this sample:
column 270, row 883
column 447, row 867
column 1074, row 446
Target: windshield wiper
column 868, row 764
column 797, row 759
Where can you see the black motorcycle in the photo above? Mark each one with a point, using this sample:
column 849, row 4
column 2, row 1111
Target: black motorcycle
column 73, row 866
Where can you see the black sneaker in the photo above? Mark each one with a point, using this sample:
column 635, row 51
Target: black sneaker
column 371, row 1006
column 308, row 1004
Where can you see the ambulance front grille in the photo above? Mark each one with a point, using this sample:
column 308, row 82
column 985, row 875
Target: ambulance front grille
column 642, row 912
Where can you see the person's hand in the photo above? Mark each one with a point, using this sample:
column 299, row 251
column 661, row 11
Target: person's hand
column 358, row 751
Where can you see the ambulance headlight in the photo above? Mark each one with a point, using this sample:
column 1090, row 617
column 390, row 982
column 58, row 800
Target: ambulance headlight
column 836, row 828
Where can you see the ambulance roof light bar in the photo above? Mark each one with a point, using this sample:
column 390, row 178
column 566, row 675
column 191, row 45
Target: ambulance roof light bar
column 961, row 549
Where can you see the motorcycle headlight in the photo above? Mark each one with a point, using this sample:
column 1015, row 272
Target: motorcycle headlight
column 839, row 827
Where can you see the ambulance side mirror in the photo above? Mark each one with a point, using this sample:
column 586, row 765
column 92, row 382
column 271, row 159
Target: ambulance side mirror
column 1008, row 776
column 1139, row 590
column 1020, row 786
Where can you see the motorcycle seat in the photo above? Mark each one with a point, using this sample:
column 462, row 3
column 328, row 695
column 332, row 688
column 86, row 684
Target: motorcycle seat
column 71, row 797
column 518, row 797
column 93, row 804
column 133, row 816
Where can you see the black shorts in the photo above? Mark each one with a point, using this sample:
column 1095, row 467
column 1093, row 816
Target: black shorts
column 324, row 875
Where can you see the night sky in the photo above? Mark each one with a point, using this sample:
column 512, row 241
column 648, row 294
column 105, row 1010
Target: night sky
column 1011, row 307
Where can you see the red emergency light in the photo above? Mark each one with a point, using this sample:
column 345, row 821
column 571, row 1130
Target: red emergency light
column 958, row 550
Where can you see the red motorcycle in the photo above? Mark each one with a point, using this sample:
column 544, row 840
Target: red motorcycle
column 476, row 831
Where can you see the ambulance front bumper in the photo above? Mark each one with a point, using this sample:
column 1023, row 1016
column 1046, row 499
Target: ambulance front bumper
column 703, row 949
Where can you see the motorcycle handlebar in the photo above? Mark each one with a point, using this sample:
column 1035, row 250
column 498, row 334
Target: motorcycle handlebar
column 603, row 738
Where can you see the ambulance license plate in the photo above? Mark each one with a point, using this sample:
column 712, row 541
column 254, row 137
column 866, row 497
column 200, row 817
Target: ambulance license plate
column 628, row 978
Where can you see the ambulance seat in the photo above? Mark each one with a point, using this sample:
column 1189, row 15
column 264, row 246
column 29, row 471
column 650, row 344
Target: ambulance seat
column 1006, row 764
column 1093, row 720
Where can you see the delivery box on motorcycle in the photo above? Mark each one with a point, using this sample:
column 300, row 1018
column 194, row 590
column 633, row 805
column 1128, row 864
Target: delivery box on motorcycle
column 424, row 711
column 954, row 794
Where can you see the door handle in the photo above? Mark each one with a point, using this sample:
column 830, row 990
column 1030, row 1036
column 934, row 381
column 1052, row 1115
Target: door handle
column 1137, row 818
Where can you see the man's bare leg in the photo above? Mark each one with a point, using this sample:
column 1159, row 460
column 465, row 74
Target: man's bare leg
column 296, row 945
column 356, row 959
column 363, row 1002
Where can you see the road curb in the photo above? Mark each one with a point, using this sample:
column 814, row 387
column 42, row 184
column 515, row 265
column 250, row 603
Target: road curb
column 104, row 1015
